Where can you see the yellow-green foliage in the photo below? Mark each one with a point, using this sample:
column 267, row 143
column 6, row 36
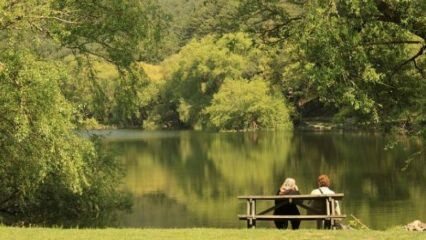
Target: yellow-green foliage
column 154, row 72
column 45, row 165
column 199, row 233
column 241, row 104
column 108, row 97
column 196, row 73
column 105, row 71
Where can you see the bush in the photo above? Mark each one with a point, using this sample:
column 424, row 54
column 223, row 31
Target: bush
column 244, row 105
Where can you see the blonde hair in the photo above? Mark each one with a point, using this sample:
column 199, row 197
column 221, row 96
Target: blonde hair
column 289, row 184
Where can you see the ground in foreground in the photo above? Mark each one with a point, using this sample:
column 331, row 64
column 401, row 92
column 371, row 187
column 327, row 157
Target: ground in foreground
column 9, row 233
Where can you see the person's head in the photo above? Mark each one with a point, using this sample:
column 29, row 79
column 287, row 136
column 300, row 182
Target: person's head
column 323, row 181
column 289, row 184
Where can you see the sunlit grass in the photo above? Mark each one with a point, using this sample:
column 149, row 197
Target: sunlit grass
column 7, row 233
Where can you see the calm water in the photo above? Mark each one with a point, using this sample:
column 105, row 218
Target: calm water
column 192, row 179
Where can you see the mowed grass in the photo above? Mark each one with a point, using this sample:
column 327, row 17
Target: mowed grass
column 7, row 233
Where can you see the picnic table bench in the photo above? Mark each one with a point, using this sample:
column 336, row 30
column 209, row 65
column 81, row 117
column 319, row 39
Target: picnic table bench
column 330, row 214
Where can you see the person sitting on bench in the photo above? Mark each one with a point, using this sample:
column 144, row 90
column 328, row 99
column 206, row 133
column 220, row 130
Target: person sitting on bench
column 319, row 205
column 284, row 207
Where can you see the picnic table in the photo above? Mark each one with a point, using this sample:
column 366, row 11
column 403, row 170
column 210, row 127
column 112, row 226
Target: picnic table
column 252, row 215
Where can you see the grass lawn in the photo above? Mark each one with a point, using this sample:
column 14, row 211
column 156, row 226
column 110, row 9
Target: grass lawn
column 8, row 233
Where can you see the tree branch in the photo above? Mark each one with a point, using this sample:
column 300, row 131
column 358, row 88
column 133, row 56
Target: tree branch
column 54, row 18
column 421, row 71
column 47, row 32
column 84, row 50
column 412, row 59
column 391, row 15
column 9, row 198
column 391, row 42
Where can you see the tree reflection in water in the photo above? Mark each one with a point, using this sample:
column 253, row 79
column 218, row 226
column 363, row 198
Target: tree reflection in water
column 188, row 179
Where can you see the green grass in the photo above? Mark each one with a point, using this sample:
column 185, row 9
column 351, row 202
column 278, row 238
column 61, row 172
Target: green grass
column 7, row 233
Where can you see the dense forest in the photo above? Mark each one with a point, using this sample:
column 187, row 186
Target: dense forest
column 68, row 65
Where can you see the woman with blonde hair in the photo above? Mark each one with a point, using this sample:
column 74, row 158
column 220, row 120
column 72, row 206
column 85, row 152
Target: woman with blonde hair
column 284, row 207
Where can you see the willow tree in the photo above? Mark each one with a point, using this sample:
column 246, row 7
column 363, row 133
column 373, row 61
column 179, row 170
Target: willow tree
column 49, row 174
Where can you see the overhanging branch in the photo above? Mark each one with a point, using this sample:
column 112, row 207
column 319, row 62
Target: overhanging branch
column 391, row 42
column 413, row 58
column 421, row 51
column 421, row 71
column 53, row 18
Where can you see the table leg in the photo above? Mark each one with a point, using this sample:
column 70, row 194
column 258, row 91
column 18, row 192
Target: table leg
column 333, row 212
column 253, row 213
column 327, row 220
column 249, row 220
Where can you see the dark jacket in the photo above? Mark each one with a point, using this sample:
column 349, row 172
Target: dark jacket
column 286, row 208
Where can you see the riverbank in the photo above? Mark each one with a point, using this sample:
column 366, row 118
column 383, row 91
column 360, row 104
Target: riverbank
column 10, row 233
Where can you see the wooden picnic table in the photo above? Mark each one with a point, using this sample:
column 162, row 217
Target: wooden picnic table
column 252, row 215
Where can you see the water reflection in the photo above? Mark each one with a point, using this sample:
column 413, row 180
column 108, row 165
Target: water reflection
column 191, row 179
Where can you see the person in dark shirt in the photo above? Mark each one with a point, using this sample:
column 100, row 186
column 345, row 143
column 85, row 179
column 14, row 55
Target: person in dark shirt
column 284, row 207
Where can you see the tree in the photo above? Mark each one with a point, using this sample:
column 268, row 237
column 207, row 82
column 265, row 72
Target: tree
column 213, row 17
column 364, row 58
column 196, row 73
column 131, row 95
column 50, row 174
column 92, row 37
column 242, row 105
column 43, row 160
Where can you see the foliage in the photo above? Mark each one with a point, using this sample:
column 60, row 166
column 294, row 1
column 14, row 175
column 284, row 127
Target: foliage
column 129, row 97
column 49, row 174
column 91, row 89
column 195, row 74
column 49, row 54
column 213, row 17
column 121, row 37
column 88, row 27
column 344, row 67
column 179, row 16
column 31, row 105
column 99, row 41
column 240, row 104
column 97, row 204
column 363, row 58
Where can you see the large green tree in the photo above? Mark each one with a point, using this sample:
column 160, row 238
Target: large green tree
column 364, row 58
column 50, row 174
column 99, row 41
